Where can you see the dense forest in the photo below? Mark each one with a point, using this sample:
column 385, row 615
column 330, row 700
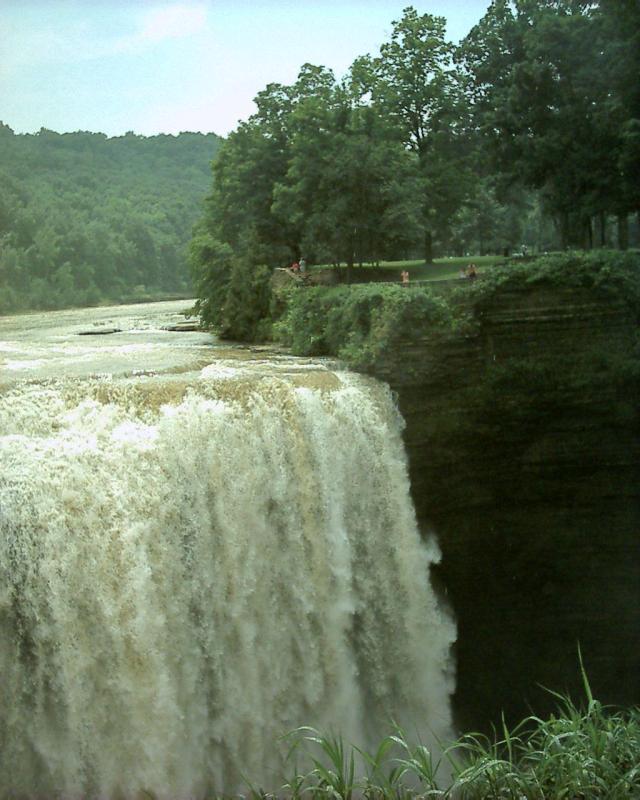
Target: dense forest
column 526, row 133
column 86, row 219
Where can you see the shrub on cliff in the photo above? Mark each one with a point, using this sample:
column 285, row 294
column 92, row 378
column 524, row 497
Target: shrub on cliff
column 358, row 323
column 610, row 273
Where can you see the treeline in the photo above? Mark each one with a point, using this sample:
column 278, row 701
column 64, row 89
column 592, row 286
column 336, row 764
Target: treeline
column 86, row 219
column 528, row 132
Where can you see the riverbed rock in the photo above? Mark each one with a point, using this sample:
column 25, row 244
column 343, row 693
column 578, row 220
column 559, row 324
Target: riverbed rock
column 183, row 327
column 99, row 331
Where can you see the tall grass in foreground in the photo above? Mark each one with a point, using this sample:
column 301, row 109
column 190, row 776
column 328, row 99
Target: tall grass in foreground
column 579, row 753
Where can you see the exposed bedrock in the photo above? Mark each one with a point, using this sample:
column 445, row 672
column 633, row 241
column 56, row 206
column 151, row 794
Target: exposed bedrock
column 524, row 456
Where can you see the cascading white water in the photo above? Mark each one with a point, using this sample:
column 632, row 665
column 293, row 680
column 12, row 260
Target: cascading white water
column 188, row 570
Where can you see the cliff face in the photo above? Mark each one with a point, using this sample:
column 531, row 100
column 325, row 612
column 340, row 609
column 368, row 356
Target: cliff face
column 524, row 456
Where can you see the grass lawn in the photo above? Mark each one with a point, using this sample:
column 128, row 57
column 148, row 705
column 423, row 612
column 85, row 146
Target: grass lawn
column 441, row 269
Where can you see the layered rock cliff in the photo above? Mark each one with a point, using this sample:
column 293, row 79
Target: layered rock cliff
column 522, row 435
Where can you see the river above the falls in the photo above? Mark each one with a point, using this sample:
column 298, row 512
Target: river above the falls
column 141, row 340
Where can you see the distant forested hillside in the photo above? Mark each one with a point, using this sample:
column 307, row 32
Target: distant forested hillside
column 86, row 219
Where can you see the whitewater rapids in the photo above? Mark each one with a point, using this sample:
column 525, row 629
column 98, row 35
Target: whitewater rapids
column 189, row 569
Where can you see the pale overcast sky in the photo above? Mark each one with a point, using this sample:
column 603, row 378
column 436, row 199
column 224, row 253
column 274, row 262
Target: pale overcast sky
column 165, row 67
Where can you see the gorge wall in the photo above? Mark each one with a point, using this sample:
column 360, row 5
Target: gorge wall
column 524, row 457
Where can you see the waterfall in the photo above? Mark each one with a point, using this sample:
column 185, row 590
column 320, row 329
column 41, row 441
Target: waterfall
column 189, row 569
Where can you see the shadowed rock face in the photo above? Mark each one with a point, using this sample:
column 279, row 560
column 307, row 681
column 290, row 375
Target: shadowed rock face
column 525, row 458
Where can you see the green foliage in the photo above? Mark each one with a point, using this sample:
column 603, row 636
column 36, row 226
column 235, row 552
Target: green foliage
column 581, row 751
column 245, row 315
column 234, row 290
column 366, row 324
column 337, row 171
column 610, row 273
column 332, row 774
column 548, row 86
column 428, row 147
column 211, row 265
column 85, row 219
column 358, row 323
column 352, row 190
column 418, row 88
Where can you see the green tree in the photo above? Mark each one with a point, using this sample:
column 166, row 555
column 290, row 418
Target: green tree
column 348, row 181
column 540, row 83
column 416, row 87
column 618, row 27
column 250, row 163
column 211, row 263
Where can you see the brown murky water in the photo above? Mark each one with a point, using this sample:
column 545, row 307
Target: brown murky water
column 79, row 343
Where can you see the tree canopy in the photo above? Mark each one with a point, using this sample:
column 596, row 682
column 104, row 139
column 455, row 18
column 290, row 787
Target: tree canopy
column 551, row 88
column 526, row 133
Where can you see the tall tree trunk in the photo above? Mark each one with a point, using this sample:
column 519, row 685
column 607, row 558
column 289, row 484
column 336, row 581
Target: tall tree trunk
column 563, row 225
column 623, row 231
column 588, row 234
column 602, row 228
column 351, row 260
column 428, row 247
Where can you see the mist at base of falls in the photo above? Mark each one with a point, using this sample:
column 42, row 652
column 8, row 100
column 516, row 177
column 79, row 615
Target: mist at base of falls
column 188, row 571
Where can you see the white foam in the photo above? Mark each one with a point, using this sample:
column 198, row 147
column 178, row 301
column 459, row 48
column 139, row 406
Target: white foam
column 181, row 585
